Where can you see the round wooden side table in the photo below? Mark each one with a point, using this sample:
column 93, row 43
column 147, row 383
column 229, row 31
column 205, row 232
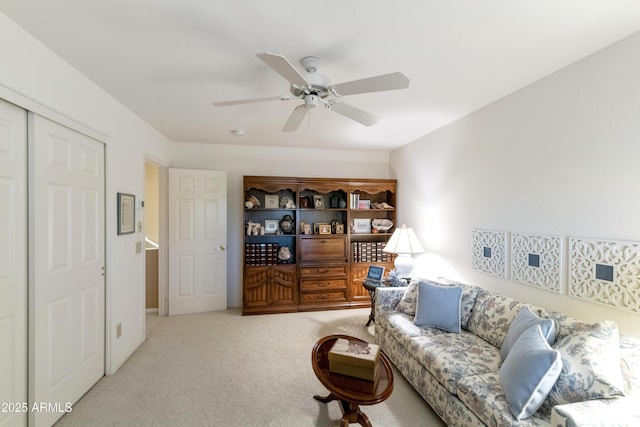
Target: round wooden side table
column 350, row 391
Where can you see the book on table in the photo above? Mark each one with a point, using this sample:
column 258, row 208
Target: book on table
column 354, row 358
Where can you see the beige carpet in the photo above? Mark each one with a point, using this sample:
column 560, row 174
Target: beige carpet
column 225, row 369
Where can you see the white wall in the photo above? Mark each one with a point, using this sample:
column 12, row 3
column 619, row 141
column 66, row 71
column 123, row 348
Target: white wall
column 43, row 81
column 558, row 157
column 239, row 160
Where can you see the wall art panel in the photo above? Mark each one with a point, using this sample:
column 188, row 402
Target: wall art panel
column 605, row 272
column 536, row 260
column 489, row 252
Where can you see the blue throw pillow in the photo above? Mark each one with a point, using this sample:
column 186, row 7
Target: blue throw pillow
column 529, row 372
column 523, row 321
column 438, row 306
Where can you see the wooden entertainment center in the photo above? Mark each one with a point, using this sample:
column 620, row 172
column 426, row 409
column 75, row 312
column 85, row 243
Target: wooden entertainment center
column 288, row 266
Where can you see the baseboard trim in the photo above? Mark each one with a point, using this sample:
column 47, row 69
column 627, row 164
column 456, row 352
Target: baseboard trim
column 151, row 310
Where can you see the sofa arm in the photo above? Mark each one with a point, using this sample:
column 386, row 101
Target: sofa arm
column 388, row 297
column 620, row 411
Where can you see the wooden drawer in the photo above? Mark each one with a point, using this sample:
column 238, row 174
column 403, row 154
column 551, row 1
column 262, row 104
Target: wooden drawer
column 323, row 296
column 323, row 248
column 322, row 284
column 332, row 270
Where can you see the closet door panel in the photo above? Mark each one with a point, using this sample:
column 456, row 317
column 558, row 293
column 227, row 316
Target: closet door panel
column 13, row 261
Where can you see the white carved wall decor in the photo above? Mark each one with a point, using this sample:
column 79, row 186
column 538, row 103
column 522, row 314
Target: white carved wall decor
column 605, row 272
column 489, row 252
column 536, row 260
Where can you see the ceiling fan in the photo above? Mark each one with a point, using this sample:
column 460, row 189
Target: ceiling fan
column 314, row 89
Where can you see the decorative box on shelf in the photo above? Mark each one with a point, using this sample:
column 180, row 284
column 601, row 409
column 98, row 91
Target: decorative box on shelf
column 354, row 358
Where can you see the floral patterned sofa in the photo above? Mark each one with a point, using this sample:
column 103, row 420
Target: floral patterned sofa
column 596, row 383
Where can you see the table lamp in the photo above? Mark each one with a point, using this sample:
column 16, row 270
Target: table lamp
column 404, row 243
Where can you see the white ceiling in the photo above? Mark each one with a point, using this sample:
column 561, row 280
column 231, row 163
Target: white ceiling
column 169, row 60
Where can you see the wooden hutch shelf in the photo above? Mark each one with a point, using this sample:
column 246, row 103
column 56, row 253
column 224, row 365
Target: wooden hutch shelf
column 309, row 241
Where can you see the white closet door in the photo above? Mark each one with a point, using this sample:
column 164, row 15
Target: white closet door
column 66, row 281
column 13, row 263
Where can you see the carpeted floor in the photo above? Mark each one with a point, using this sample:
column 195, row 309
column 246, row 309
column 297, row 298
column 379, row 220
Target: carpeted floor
column 225, row 369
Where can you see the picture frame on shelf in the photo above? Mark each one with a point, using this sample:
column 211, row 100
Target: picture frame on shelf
column 126, row 213
column 271, row 201
column 339, row 228
column 364, row 204
column 362, row 225
column 324, row 228
column 318, row 202
column 305, row 228
column 271, row 226
column 305, row 202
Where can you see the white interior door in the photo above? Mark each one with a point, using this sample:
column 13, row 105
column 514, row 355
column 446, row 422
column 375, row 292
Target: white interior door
column 197, row 241
column 13, row 262
column 66, row 266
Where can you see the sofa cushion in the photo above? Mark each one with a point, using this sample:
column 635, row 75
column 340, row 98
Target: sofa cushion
column 529, row 372
column 630, row 364
column 407, row 303
column 450, row 357
column 492, row 315
column 591, row 365
column 523, row 321
column 484, row 396
column 438, row 306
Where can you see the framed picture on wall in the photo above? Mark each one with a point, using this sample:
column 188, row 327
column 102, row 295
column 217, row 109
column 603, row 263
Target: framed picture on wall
column 126, row 213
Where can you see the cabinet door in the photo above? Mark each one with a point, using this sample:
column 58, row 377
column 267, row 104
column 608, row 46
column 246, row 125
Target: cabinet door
column 284, row 285
column 323, row 249
column 256, row 287
column 357, row 292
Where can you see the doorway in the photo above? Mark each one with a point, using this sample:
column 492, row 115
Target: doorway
column 155, row 231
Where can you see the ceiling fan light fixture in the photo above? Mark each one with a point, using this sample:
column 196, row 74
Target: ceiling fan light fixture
column 311, row 100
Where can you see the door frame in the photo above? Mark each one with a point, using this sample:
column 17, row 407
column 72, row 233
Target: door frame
column 163, row 230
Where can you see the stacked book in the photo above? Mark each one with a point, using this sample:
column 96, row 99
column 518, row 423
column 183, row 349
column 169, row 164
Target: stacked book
column 354, row 358
column 260, row 254
column 369, row 252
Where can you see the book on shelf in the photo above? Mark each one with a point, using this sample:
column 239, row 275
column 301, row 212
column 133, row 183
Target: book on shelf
column 354, row 358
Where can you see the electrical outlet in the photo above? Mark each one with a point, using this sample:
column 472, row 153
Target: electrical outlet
column 138, row 247
column 118, row 330
column 139, row 226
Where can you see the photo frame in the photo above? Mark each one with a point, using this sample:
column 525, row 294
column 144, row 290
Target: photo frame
column 324, row 228
column 362, row 225
column 339, row 228
column 126, row 213
column 318, row 202
column 271, row 201
column 364, row 204
column 375, row 273
column 270, row 226
column 305, row 202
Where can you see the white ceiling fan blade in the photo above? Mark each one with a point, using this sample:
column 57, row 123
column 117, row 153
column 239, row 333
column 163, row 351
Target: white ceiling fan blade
column 380, row 83
column 355, row 113
column 281, row 65
column 250, row 101
column 295, row 118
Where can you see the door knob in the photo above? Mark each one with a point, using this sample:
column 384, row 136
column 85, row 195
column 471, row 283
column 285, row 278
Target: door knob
column 221, row 248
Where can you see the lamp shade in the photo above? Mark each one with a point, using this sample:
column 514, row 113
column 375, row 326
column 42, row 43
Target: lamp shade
column 403, row 241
